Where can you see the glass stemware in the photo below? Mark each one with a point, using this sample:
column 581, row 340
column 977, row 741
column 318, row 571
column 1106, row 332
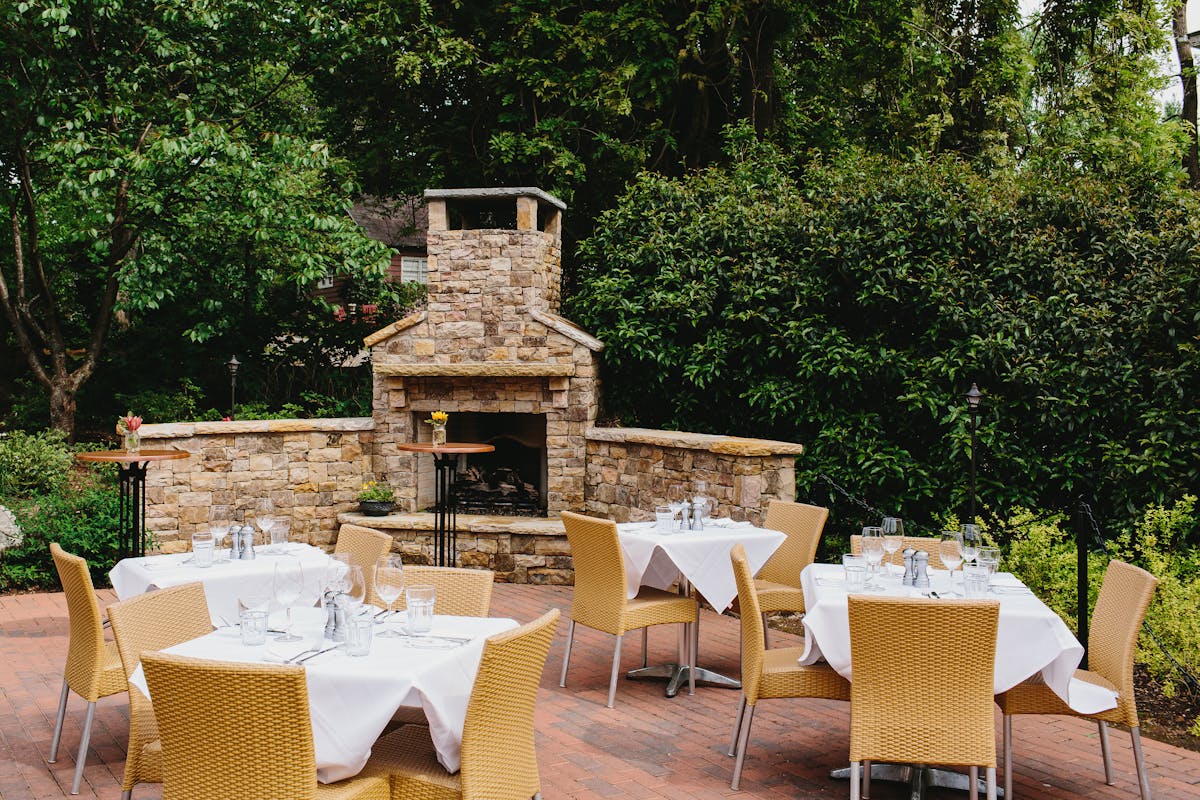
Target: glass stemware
column 288, row 585
column 950, row 550
column 971, row 542
column 389, row 585
column 872, row 550
column 354, row 586
column 219, row 531
column 893, row 537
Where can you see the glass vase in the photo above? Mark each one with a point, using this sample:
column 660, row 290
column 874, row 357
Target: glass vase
column 439, row 433
column 133, row 442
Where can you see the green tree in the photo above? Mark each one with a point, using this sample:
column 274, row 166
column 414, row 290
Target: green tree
column 156, row 152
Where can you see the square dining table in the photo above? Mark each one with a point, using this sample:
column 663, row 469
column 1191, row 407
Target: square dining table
column 695, row 559
column 352, row 699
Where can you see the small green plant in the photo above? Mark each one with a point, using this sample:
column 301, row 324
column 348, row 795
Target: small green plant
column 373, row 491
column 33, row 464
column 165, row 406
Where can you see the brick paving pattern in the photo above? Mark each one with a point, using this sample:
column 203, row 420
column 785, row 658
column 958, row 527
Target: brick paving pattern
column 646, row 747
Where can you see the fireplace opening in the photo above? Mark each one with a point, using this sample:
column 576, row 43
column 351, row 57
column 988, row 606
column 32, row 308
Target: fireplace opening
column 512, row 479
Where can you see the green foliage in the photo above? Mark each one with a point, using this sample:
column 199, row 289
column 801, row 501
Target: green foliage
column 376, row 492
column 850, row 307
column 164, row 406
column 82, row 519
column 33, row 464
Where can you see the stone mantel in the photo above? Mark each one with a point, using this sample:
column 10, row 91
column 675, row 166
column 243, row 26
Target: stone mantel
column 725, row 445
column 482, row 369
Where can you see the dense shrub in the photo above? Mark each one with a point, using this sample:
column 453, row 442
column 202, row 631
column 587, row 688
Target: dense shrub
column 33, row 463
column 850, row 304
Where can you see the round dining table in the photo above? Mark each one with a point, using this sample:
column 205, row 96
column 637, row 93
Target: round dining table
column 131, row 474
column 445, row 463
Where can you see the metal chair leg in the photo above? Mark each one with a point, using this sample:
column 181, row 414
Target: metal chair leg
column 737, row 725
column 1008, row 759
column 81, row 759
column 645, row 645
column 991, row 783
column 58, row 723
column 1140, row 760
column 766, row 632
column 127, row 794
column 616, row 667
column 866, row 779
column 562, row 681
column 973, row 781
column 743, row 743
column 855, row 778
column 694, row 646
column 1105, row 753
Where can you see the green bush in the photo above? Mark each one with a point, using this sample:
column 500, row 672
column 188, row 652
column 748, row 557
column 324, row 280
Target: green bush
column 33, row 463
column 153, row 405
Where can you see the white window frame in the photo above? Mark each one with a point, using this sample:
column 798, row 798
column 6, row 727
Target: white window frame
column 414, row 268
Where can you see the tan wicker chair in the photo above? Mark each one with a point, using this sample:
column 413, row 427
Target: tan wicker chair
column 365, row 546
column 599, row 601
column 1124, row 597
column 240, row 730
column 460, row 592
column 145, row 623
column 778, row 582
column 925, row 696
column 93, row 668
column 930, row 544
column 499, row 760
column 770, row 673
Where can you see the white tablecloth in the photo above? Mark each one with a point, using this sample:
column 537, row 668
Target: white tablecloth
column 351, row 699
column 1031, row 638
column 223, row 583
column 655, row 558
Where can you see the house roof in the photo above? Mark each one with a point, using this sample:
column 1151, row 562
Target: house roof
column 400, row 222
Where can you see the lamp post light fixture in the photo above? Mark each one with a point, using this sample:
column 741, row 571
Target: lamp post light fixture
column 974, row 399
column 232, row 365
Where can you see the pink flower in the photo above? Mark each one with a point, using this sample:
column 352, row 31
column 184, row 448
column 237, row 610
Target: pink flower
column 132, row 423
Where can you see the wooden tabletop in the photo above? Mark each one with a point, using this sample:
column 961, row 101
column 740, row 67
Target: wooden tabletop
column 125, row 457
column 448, row 447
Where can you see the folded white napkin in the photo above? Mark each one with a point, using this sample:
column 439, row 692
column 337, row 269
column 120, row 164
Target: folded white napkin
column 723, row 522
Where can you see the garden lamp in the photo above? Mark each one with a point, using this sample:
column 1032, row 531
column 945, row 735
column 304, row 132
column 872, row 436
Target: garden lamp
column 232, row 365
column 974, row 399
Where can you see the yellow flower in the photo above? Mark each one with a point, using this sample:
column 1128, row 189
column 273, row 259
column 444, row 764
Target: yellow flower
column 438, row 418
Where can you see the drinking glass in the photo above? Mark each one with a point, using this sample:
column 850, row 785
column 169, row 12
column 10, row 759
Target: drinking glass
column 355, row 588
column 872, row 550
column 950, row 550
column 990, row 558
column 279, row 536
column 202, row 549
column 335, row 571
column 664, row 519
column 287, row 585
column 219, row 531
column 893, row 537
column 389, row 585
column 420, row 600
column 855, row 569
column 975, row 581
column 253, row 625
column 358, row 636
column 971, row 542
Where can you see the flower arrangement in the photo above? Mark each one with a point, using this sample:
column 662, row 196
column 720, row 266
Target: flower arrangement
column 438, row 420
column 127, row 429
column 375, row 492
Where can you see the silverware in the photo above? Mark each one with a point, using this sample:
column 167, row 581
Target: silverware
column 293, row 659
column 333, row 646
column 437, row 637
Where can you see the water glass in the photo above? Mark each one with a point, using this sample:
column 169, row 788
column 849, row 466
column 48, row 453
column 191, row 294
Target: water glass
column 420, row 600
column 254, row 627
column 975, row 581
column 358, row 636
column 854, row 569
column 279, row 537
column 202, row 549
column 664, row 518
column 990, row 558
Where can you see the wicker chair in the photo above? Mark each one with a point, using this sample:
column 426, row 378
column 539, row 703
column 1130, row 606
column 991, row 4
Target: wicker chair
column 254, row 743
column 930, row 544
column 770, row 673
column 460, row 592
column 1124, row 597
column 599, row 601
column 145, row 623
column 93, row 668
column 778, row 582
column 365, row 546
column 903, row 704
column 499, row 760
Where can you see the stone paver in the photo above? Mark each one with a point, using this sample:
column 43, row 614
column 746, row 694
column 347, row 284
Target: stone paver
column 646, row 747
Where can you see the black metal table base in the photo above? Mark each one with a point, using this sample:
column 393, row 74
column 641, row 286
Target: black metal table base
column 918, row 777
column 131, row 515
column 676, row 676
column 445, row 525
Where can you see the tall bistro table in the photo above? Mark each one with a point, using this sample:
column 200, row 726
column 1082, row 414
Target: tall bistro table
column 445, row 462
column 131, row 471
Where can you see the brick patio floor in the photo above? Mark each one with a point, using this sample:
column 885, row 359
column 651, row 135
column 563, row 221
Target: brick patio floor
column 647, row 747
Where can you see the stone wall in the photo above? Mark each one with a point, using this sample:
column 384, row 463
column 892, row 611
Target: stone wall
column 310, row 469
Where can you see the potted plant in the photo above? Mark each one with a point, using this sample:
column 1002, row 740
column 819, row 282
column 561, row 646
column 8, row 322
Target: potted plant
column 376, row 499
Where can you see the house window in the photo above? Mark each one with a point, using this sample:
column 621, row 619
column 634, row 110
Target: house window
column 325, row 282
column 414, row 269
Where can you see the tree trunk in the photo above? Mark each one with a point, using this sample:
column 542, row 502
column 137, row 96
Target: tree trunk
column 62, row 405
column 1187, row 75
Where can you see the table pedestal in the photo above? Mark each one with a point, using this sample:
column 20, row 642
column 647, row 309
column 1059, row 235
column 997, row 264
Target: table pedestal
column 131, row 525
column 918, row 777
column 445, row 519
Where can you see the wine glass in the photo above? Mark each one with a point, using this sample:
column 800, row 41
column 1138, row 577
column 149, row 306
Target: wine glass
column 893, row 537
column 354, row 586
column 287, row 585
column 335, row 572
column 219, row 531
column 389, row 584
column 971, row 542
column 950, row 550
column 872, row 550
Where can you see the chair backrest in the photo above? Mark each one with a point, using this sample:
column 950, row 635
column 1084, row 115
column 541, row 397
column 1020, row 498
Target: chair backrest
column 752, row 625
column 923, row 669
column 599, row 568
column 1125, row 596
column 499, row 760
column 460, row 592
column 930, row 544
column 803, row 525
column 365, row 546
column 158, row 620
column 232, row 729
column 85, row 652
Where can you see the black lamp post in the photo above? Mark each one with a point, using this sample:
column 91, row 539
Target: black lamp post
column 232, row 365
column 974, row 398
